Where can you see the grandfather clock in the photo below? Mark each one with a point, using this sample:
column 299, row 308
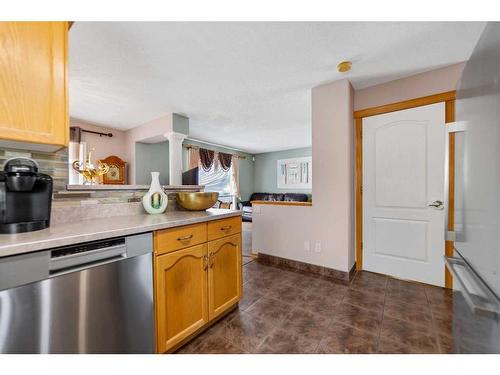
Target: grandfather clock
column 117, row 174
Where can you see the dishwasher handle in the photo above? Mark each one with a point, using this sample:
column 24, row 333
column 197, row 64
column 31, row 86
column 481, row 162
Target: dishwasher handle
column 82, row 260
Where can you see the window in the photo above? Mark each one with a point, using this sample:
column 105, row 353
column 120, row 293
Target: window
column 217, row 179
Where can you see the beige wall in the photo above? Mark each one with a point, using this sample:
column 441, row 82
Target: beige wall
column 104, row 146
column 283, row 231
column 333, row 170
column 122, row 143
column 424, row 84
column 151, row 132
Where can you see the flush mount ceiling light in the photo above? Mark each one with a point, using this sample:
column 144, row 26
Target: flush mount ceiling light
column 344, row 66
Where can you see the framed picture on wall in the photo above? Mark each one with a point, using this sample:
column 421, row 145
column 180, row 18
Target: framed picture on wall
column 295, row 173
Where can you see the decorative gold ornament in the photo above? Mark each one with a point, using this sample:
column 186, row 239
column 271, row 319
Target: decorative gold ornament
column 89, row 171
column 344, row 66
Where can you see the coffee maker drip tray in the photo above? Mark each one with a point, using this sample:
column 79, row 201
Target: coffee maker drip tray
column 30, row 226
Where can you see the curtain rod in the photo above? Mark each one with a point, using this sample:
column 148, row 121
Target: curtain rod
column 79, row 130
column 188, row 146
column 100, row 134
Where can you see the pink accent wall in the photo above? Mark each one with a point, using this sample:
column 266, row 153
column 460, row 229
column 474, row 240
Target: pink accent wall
column 423, row 84
column 333, row 172
column 104, row 146
column 286, row 232
column 327, row 227
column 122, row 143
column 151, row 132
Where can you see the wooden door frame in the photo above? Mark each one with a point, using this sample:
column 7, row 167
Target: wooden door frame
column 449, row 99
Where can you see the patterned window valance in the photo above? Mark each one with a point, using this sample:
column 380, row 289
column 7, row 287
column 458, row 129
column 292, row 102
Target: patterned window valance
column 225, row 160
column 207, row 158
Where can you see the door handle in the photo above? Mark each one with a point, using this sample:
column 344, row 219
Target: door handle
column 437, row 204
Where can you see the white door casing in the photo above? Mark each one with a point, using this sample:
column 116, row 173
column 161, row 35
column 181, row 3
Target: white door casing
column 403, row 173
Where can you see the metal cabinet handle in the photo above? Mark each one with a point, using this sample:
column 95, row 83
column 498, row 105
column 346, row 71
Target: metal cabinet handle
column 211, row 257
column 227, row 227
column 477, row 295
column 185, row 238
column 205, row 262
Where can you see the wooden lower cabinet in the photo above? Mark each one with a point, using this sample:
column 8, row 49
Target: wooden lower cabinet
column 194, row 286
column 224, row 274
column 181, row 295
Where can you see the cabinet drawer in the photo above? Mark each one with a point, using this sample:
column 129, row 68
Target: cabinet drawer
column 224, row 227
column 172, row 239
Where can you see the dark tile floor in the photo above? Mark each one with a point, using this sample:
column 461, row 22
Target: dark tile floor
column 287, row 312
column 246, row 231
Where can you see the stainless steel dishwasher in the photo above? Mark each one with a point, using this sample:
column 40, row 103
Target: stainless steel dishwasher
column 94, row 297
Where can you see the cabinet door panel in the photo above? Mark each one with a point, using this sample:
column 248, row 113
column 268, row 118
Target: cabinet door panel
column 181, row 295
column 224, row 274
column 33, row 96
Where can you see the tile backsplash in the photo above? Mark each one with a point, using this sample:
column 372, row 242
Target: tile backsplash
column 55, row 164
column 82, row 205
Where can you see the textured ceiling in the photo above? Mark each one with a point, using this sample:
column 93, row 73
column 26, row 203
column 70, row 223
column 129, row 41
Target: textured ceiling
column 243, row 85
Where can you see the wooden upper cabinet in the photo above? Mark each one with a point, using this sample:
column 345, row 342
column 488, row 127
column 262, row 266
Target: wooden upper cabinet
column 33, row 82
column 181, row 295
column 224, row 274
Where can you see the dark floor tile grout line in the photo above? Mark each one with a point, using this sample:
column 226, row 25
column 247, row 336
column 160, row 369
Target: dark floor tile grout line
column 384, row 287
column 434, row 328
column 433, row 314
column 382, row 320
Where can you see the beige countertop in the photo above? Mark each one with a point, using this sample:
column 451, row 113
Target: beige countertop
column 98, row 229
column 99, row 187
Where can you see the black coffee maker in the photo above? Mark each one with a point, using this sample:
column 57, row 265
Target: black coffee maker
column 25, row 197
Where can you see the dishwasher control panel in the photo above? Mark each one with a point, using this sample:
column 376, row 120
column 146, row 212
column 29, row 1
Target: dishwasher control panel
column 30, row 267
column 85, row 247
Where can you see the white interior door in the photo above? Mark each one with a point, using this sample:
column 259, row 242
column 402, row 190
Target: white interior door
column 403, row 176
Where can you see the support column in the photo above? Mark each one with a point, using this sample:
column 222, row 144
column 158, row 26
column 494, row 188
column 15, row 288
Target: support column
column 175, row 157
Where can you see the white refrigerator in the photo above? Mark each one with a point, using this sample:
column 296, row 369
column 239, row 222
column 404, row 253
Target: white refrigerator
column 475, row 265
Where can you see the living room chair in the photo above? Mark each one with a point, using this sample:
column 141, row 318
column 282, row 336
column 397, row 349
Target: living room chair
column 223, row 205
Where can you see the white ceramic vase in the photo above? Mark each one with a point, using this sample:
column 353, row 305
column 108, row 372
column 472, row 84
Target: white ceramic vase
column 155, row 201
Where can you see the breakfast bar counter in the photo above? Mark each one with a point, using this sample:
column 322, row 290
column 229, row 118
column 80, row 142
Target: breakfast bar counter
column 63, row 234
